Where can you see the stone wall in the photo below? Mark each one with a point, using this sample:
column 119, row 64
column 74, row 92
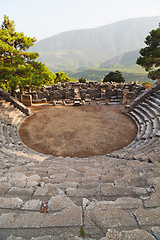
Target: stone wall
column 15, row 102
column 90, row 90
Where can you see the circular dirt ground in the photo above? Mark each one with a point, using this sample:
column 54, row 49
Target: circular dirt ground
column 82, row 131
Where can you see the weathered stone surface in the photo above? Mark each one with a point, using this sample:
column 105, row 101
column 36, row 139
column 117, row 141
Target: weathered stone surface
column 48, row 189
column 15, row 191
column 35, row 178
column 111, row 218
column 58, row 203
column 10, row 202
column 110, row 177
column 154, row 201
column 66, row 218
column 128, row 203
column 123, row 203
column 4, row 187
column 30, row 184
column 148, row 217
column 154, row 180
column 66, row 236
column 43, row 238
column 82, row 192
column 156, row 232
column 90, row 179
column 58, row 178
column 32, row 205
column 14, row 238
column 122, row 191
column 16, row 182
column 128, row 235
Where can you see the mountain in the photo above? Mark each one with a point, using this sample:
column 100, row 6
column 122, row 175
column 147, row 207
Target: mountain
column 89, row 48
column 125, row 59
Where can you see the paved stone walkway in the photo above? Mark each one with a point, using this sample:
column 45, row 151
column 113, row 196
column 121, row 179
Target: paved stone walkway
column 106, row 197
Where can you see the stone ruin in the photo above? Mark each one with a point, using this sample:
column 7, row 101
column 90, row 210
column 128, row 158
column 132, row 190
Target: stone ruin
column 84, row 92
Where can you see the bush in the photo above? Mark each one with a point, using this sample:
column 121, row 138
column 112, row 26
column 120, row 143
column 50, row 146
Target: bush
column 82, row 80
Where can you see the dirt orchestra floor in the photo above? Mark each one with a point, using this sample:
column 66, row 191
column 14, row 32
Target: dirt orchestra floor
column 81, row 131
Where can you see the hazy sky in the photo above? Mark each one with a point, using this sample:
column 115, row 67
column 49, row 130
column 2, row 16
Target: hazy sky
column 45, row 18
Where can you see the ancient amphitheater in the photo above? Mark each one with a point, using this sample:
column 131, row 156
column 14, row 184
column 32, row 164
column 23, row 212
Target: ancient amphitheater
column 116, row 196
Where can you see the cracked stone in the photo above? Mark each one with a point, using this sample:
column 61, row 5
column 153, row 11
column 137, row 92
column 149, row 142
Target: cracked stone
column 68, row 217
column 48, row 189
column 35, row 178
column 148, row 217
column 10, row 202
column 156, row 232
column 111, row 218
column 4, row 187
column 15, row 191
column 58, row 203
column 113, row 234
column 32, row 205
column 14, row 238
column 154, row 201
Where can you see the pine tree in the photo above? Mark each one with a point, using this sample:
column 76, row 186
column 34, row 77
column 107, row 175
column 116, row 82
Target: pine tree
column 18, row 67
column 150, row 55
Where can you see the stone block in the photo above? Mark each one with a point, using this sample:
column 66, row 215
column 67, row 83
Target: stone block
column 128, row 235
column 68, row 218
column 72, row 192
column 111, row 218
column 156, row 232
column 59, row 203
column 15, row 191
column 14, row 238
column 35, row 177
column 27, row 100
column 48, row 189
column 122, row 191
column 13, row 203
column 154, row 201
column 148, row 217
column 32, row 205
column 121, row 203
column 4, row 187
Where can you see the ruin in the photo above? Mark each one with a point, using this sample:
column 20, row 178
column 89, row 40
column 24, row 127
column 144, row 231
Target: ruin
column 115, row 196
column 75, row 91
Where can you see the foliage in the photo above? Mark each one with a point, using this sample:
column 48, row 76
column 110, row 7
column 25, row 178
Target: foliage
column 82, row 80
column 18, row 67
column 61, row 77
column 114, row 77
column 82, row 232
column 150, row 55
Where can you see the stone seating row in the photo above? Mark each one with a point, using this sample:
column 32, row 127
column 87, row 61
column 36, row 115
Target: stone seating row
column 146, row 146
column 56, row 191
column 10, row 122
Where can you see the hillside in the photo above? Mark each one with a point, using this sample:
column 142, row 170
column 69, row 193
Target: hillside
column 87, row 48
column 99, row 74
column 125, row 59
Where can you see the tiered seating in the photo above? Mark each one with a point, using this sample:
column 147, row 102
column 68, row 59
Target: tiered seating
column 146, row 114
column 109, row 197
column 10, row 121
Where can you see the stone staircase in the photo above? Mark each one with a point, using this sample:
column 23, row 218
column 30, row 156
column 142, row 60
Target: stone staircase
column 116, row 196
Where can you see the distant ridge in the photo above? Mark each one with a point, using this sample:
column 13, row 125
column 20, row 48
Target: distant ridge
column 90, row 48
column 125, row 59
